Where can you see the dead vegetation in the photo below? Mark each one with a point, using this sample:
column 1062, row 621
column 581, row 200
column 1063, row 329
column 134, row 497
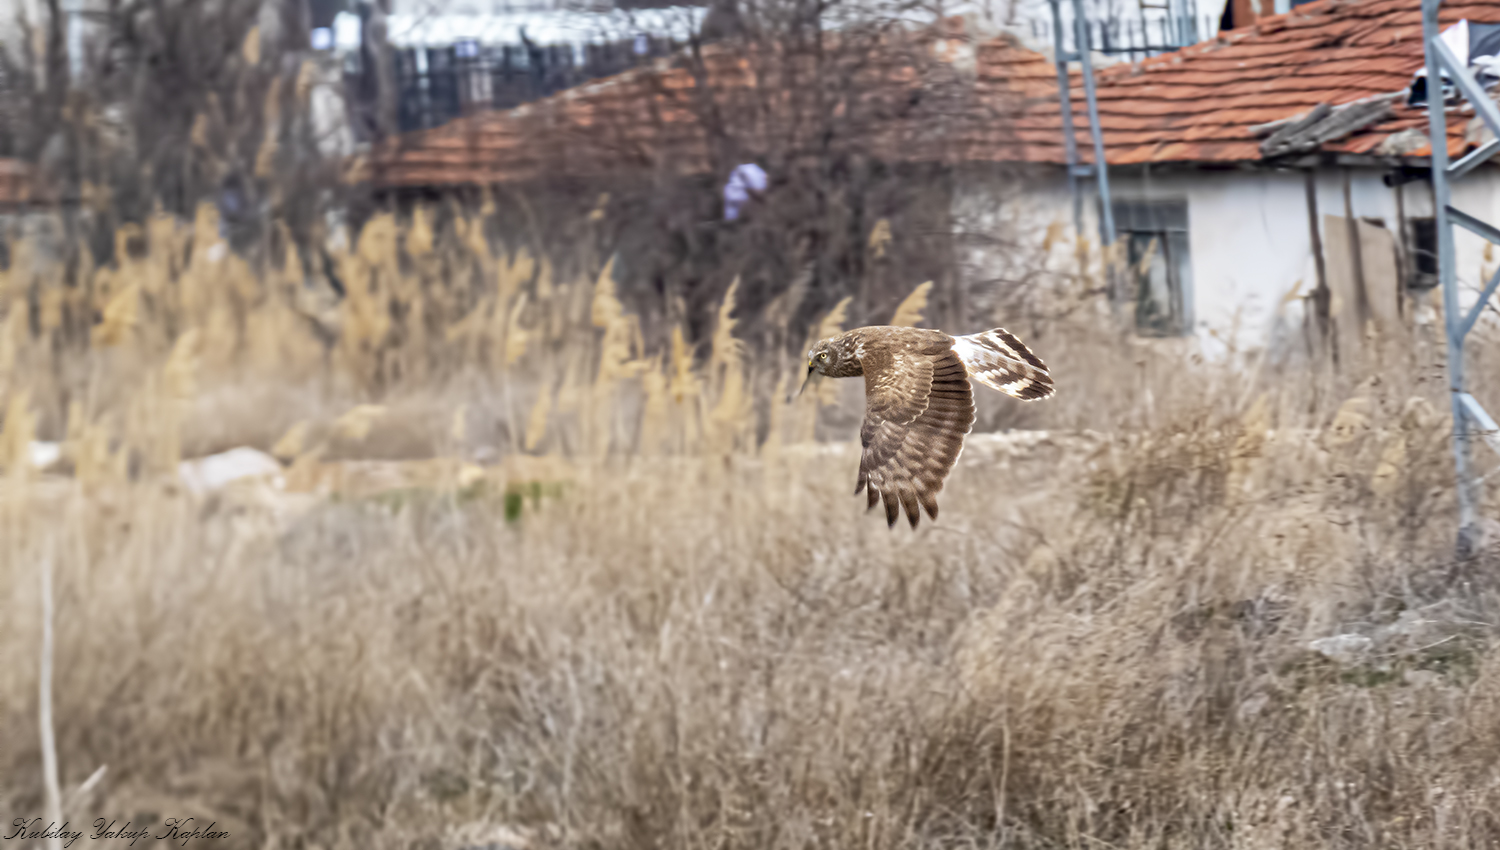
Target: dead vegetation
column 582, row 592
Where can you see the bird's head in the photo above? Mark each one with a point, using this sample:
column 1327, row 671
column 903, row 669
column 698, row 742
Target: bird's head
column 834, row 357
column 821, row 357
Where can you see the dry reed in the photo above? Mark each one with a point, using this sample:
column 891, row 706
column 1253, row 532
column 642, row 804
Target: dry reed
column 616, row 598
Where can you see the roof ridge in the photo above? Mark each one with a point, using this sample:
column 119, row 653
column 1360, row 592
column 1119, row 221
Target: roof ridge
column 1193, row 105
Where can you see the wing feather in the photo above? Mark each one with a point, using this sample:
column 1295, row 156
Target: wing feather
column 997, row 359
column 919, row 408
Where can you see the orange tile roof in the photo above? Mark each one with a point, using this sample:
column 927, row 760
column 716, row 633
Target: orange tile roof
column 19, row 184
column 1002, row 65
column 648, row 118
column 1197, row 105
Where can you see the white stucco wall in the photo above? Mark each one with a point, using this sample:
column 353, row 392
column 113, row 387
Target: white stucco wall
column 1249, row 237
column 11, row 37
column 82, row 25
column 1477, row 194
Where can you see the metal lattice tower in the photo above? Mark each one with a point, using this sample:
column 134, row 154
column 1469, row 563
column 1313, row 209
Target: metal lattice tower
column 1099, row 169
column 1469, row 417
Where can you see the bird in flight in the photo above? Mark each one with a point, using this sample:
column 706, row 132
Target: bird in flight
column 919, row 404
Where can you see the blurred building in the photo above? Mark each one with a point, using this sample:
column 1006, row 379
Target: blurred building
column 1263, row 176
column 79, row 19
column 1121, row 30
column 450, row 59
column 1271, row 181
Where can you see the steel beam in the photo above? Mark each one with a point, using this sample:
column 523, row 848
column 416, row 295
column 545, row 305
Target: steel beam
column 1062, row 56
column 1101, row 165
column 1484, row 427
column 1475, row 158
column 1469, row 418
column 1099, row 169
column 1478, row 308
column 1470, row 223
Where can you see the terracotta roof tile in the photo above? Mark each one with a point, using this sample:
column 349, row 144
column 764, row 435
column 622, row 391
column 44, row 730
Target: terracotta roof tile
column 1192, row 106
column 1197, row 104
column 20, row 184
column 648, row 117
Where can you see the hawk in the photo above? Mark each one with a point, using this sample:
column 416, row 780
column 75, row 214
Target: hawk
column 919, row 404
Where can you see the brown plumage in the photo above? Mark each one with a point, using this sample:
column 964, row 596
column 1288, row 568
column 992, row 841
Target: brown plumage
column 919, row 404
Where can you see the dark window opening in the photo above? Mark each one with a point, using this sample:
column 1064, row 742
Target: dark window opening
column 1424, row 248
column 324, row 11
column 1156, row 241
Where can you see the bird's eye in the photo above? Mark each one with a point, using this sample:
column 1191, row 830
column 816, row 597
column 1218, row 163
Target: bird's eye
column 823, row 356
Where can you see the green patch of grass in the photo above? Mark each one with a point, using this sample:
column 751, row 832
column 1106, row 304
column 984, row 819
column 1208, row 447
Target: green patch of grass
column 517, row 493
column 1369, row 676
column 445, row 785
column 1456, row 660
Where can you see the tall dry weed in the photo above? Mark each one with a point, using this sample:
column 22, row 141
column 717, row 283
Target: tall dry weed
column 604, row 594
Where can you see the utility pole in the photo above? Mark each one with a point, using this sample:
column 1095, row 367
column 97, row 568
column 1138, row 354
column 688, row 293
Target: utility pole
column 1469, row 418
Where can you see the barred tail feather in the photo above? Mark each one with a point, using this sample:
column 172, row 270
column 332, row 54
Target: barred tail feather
column 998, row 360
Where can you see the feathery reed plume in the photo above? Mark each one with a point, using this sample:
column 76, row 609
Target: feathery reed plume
column 1056, row 233
column 14, row 336
column 87, row 446
column 470, row 232
column 827, row 392
column 880, row 238
column 16, row 436
column 511, row 275
column 656, row 410
column 909, row 312
column 1249, row 445
column 265, row 156
column 516, row 336
column 419, row 236
column 458, row 426
column 356, row 423
column 1152, row 563
column 307, row 75
column 731, row 411
column 779, row 312
column 536, row 422
column 832, row 324
column 685, row 387
column 250, row 48
column 293, row 443
column 725, row 352
column 120, row 316
column 179, row 375
column 771, row 447
column 606, row 308
column 600, row 206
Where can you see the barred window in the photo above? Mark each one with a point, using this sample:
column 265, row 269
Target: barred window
column 1156, row 239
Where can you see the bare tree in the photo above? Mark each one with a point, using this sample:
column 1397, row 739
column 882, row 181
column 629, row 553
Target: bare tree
column 856, row 112
column 172, row 103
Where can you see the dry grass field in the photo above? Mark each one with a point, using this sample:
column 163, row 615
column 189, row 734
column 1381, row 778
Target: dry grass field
column 526, row 580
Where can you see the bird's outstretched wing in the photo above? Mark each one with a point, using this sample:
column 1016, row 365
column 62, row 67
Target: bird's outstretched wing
column 918, row 409
column 998, row 360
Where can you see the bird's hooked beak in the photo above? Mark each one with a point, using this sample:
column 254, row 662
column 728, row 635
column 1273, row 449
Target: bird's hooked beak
column 807, row 380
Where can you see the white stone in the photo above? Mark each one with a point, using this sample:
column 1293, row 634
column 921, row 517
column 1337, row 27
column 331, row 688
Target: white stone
column 43, row 455
column 1345, row 649
column 207, row 474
